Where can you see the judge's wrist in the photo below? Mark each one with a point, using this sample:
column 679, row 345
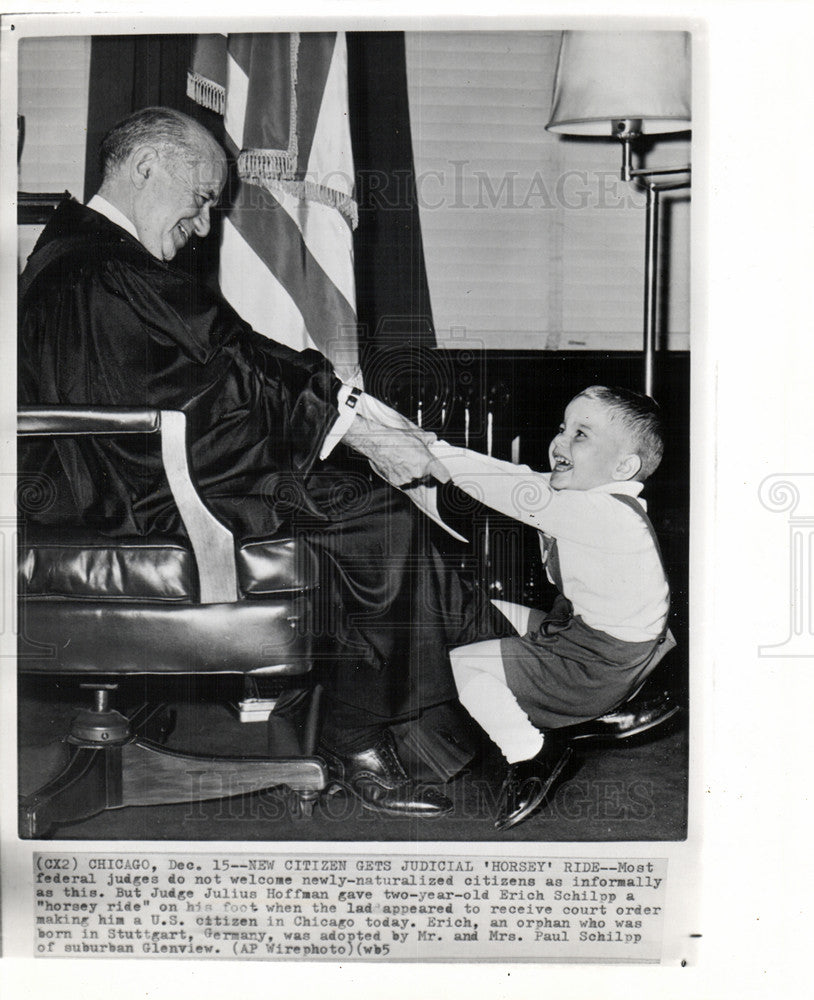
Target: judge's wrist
column 347, row 401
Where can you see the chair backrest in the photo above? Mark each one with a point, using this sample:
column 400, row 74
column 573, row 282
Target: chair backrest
column 212, row 542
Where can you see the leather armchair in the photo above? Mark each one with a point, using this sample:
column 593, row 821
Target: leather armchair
column 97, row 608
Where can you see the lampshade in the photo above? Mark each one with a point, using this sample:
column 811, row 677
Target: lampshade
column 607, row 77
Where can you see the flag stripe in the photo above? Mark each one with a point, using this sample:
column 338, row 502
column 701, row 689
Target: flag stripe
column 316, row 56
column 273, row 235
column 237, row 88
column 327, row 237
column 240, row 49
column 264, row 302
column 331, row 158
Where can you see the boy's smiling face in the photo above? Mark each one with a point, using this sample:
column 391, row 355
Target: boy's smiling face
column 591, row 448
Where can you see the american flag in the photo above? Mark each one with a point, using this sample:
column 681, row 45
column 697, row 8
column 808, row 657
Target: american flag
column 287, row 251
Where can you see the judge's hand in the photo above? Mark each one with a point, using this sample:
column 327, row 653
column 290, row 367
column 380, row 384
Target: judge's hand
column 400, row 454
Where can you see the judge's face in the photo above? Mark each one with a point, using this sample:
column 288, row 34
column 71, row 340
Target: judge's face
column 174, row 195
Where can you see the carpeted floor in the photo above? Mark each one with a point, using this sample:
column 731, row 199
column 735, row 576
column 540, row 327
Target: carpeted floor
column 632, row 790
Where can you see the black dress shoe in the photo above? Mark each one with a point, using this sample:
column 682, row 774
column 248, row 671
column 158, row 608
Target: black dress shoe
column 644, row 711
column 376, row 777
column 529, row 782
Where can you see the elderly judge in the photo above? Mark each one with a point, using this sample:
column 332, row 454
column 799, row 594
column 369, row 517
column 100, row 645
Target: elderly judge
column 107, row 318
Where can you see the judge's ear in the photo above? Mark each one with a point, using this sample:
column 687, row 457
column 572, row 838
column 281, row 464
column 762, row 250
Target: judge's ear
column 627, row 468
column 142, row 163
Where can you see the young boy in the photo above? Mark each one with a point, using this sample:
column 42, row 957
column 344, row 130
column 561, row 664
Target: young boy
column 608, row 627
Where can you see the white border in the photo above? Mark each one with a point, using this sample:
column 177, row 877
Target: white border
column 752, row 358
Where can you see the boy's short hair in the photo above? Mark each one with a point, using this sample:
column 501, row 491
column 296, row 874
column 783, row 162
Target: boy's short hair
column 641, row 418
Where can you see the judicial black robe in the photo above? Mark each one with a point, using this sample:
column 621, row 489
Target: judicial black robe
column 105, row 323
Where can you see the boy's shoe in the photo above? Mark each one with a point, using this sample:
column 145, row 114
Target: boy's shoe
column 529, row 782
column 646, row 710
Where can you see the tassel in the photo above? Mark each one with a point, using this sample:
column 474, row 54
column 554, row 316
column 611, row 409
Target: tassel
column 273, row 180
column 205, row 92
column 260, row 165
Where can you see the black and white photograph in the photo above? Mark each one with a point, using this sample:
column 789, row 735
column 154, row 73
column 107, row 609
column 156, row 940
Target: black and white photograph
column 349, row 587
column 373, row 481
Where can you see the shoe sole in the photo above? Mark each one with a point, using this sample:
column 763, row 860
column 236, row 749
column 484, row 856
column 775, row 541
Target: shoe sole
column 337, row 788
column 544, row 793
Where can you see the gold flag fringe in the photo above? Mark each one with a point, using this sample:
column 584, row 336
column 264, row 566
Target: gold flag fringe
column 205, row 92
column 271, row 164
column 275, row 169
column 304, row 190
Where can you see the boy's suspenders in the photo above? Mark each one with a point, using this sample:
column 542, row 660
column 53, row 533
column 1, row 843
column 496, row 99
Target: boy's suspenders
column 634, row 504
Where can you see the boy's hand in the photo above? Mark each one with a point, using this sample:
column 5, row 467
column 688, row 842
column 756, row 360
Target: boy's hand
column 398, row 449
column 400, row 455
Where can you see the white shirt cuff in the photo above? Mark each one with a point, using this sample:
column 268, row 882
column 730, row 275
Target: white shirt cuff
column 347, row 400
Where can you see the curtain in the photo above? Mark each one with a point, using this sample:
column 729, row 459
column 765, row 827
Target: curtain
column 392, row 296
column 129, row 72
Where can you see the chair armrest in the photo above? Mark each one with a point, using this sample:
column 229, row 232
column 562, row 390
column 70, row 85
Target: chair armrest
column 212, row 542
column 75, row 421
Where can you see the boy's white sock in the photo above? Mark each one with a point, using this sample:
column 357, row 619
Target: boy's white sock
column 483, row 692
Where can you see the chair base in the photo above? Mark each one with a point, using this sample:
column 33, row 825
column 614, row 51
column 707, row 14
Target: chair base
column 137, row 771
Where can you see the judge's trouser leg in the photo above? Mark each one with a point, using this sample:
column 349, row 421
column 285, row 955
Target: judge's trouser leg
column 385, row 617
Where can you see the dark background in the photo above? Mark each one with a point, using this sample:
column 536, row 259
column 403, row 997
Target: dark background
column 524, row 391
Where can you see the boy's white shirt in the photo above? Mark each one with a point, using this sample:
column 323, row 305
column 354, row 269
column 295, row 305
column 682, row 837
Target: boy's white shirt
column 611, row 570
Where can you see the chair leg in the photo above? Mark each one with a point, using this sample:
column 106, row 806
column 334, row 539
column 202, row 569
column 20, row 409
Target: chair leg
column 80, row 791
column 140, row 773
column 312, row 722
column 152, row 774
column 306, row 800
column 111, row 768
column 294, row 729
